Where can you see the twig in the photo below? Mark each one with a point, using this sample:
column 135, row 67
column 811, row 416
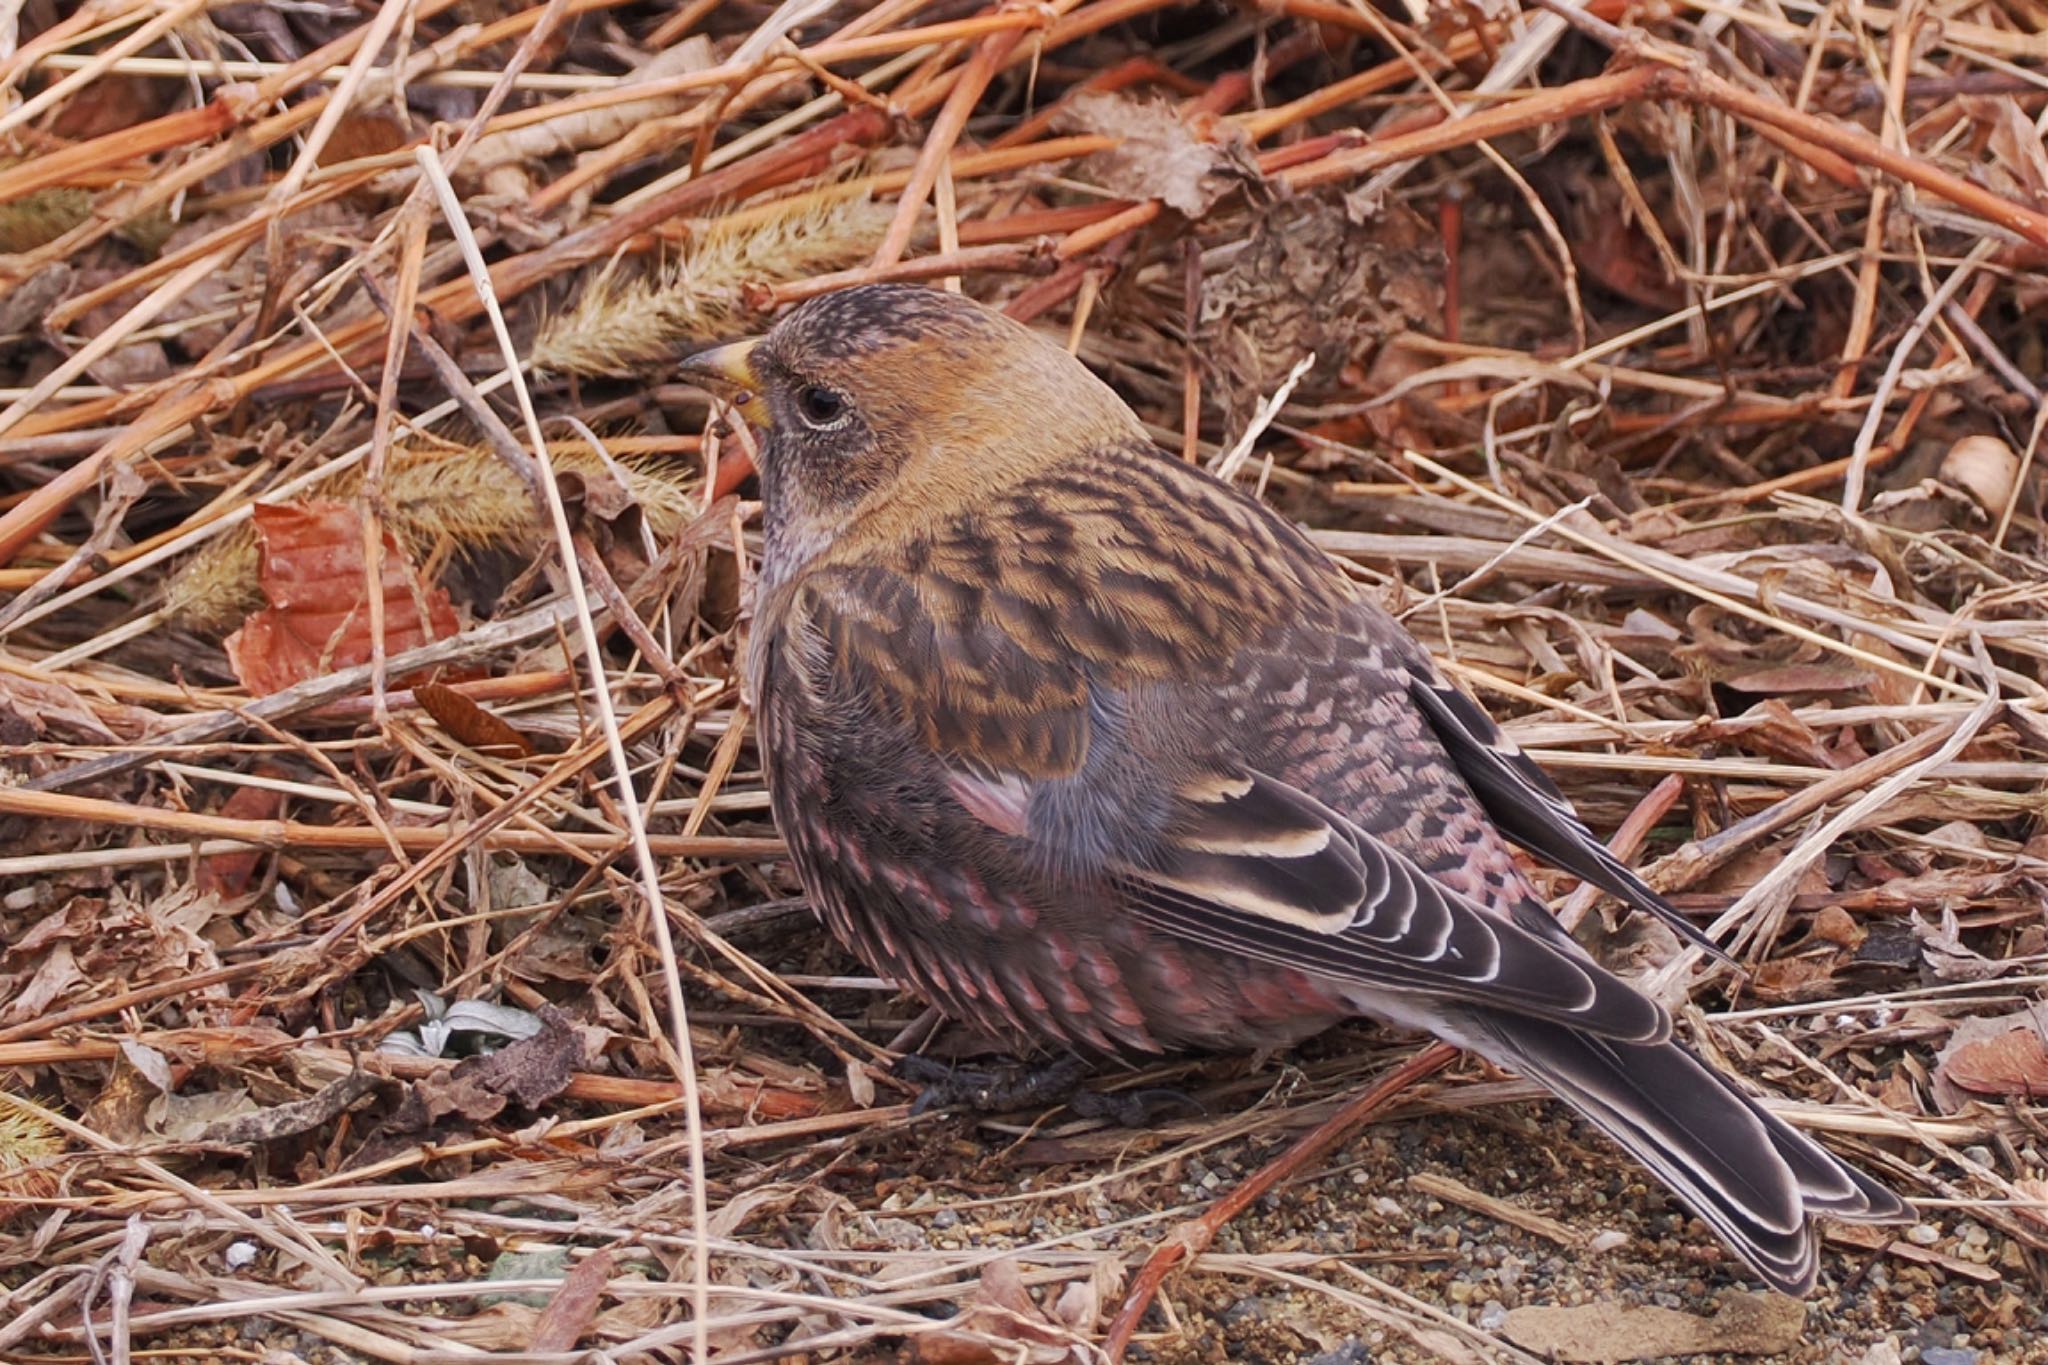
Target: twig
column 1191, row 1238
column 629, row 800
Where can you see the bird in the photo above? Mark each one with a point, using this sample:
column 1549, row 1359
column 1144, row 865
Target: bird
column 1098, row 753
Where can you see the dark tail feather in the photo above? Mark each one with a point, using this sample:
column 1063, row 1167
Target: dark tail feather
column 1753, row 1178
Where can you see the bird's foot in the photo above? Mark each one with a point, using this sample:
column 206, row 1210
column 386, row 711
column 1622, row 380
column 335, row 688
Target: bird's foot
column 1134, row 1108
column 1032, row 1086
column 990, row 1090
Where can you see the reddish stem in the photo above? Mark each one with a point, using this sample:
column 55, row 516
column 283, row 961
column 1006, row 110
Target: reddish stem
column 1193, row 1237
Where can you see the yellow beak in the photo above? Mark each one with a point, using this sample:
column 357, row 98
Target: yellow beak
column 728, row 371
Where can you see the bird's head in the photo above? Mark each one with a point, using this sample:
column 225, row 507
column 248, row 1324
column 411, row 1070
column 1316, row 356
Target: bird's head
column 887, row 406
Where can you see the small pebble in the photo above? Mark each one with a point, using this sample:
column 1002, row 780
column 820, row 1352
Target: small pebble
column 1609, row 1240
column 945, row 1218
column 1353, row 1352
column 1493, row 1316
column 239, row 1254
column 1948, row 1355
column 1387, row 1208
column 1924, row 1235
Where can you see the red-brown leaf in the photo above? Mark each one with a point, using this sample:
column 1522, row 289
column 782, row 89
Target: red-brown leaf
column 573, row 1309
column 482, row 730
column 2012, row 1062
column 229, row 874
column 318, row 619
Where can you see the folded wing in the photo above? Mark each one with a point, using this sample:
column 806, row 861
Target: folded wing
column 1250, row 865
column 1529, row 809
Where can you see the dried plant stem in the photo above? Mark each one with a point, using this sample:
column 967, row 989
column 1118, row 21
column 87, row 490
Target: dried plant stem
column 286, row 834
column 628, row 797
column 966, row 93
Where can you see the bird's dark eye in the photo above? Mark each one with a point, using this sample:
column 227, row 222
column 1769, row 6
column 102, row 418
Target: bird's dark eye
column 820, row 406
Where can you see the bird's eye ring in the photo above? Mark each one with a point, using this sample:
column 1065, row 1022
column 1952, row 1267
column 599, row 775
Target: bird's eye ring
column 821, row 407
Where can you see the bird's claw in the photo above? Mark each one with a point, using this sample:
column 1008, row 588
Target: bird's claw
column 999, row 1089
column 1133, row 1108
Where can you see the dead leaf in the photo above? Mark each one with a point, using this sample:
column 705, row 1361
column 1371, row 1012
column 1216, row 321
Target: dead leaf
column 1786, row 979
column 1608, row 241
column 56, row 977
column 1837, row 926
column 318, row 619
column 188, row 1118
column 1743, row 1324
column 2037, row 1190
column 229, row 874
column 529, row 1073
column 51, row 707
column 595, row 493
column 1925, row 506
column 860, row 1086
column 115, row 101
column 1802, row 678
column 363, row 133
column 1962, row 834
column 125, row 938
column 1161, row 157
column 76, row 920
column 1001, row 1326
column 573, row 1309
column 501, row 1326
column 2015, row 145
column 252, row 1125
column 1983, row 467
column 2014, row 1063
column 1772, row 729
column 140, row 1074
column 1948, row 957
column 482, row 730
column 2004, row 1056
column 1313, row 280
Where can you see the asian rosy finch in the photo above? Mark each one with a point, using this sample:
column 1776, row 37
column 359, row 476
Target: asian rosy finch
column 1083, row 744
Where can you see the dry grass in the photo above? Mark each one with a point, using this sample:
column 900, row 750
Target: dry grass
column 1679, row 383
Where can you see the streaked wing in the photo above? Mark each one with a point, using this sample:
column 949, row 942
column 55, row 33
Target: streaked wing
column 1254, row 867
column 1528, row 807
